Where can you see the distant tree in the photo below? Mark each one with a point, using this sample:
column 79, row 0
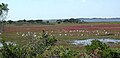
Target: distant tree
column 66, row 20
column 71, row 20
column 58, row 21
column 39, row 21
column 21, row 20
column 31, row 21
column 10, row 21
column 4, row 21
column 47, row 22
column 24, row 20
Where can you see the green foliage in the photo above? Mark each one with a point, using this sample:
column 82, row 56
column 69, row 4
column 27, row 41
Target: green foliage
column 47, row 40
column 60, row 52
column 98, row 49
column 33, row 49
column 115, row 53
column 10, row 50
column 3, row 7
column 13, row 51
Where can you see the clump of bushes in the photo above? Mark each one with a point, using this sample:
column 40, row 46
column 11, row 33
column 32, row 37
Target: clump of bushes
column 100, row 50
column 33, row 49
column 60, row 52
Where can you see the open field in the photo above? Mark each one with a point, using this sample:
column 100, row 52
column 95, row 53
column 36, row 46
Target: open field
column 63, row 32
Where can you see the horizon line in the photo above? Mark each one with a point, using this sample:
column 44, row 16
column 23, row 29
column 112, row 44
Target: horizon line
column 57, row 18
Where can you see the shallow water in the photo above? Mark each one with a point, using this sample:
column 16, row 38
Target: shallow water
column 102, row 20
column 88, row 41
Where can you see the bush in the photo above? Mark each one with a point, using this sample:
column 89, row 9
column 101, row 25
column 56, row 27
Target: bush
column 60, row 52
column 33, row 49
column 10, row 50
column 98, row 49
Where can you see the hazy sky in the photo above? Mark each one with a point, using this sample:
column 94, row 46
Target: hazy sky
column 50, row 9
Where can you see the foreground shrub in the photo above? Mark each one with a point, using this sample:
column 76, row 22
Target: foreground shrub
column 60, row 52
column 33, row 49
column 100, row 50
column 9, row 50
column 115, row 53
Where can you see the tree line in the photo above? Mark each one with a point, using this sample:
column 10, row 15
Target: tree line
column 58, row 21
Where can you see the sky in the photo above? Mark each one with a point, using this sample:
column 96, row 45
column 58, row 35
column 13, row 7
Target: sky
column 61, row 9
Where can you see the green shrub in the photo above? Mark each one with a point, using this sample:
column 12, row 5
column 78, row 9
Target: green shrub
column 33, row 49
column 59, row 52
column 98, row 49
